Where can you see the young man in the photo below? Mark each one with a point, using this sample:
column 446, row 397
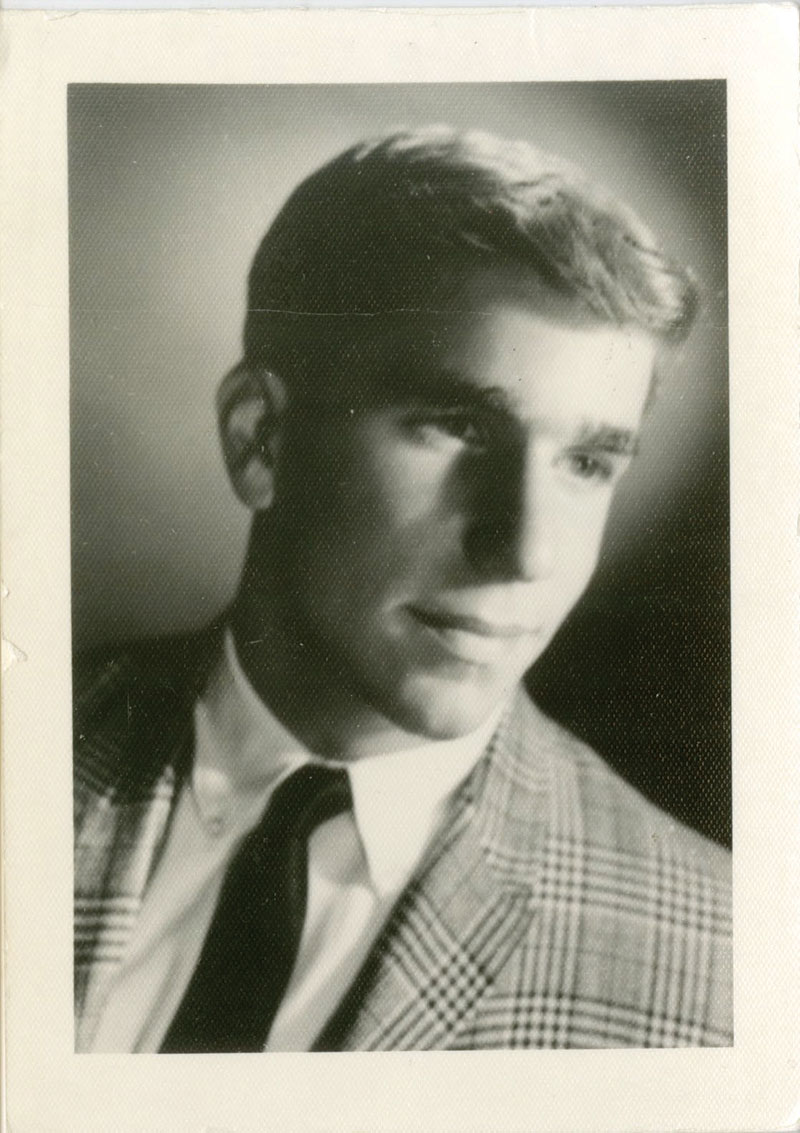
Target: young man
column 336, row 821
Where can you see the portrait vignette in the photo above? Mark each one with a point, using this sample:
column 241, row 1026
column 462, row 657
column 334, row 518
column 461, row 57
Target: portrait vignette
column 758, row 997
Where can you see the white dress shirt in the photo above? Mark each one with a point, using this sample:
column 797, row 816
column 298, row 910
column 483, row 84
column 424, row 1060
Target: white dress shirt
column 359, row 863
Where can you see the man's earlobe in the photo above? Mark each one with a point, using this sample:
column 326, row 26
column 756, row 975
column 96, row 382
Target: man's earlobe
column 251, row 403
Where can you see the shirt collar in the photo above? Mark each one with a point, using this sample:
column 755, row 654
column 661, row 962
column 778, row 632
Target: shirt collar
column 243, row 751
column 399, row 799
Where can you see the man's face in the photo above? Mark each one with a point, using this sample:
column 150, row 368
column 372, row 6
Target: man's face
column 439, row 509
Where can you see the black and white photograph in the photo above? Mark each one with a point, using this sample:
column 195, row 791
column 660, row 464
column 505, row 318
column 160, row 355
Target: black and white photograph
column 380, row 743
column 399, row 570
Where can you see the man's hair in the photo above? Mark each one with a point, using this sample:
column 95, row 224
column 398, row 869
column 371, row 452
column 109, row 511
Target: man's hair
column 393, row 224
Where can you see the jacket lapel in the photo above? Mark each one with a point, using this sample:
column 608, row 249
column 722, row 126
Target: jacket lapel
column 466, row 911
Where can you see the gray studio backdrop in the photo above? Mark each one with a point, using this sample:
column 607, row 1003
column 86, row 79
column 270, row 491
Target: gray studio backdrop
column 171, row 188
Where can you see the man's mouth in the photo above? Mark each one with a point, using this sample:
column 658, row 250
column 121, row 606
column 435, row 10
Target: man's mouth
column 468, row 637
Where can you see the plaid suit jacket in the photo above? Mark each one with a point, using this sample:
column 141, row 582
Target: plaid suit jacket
column 556, row 908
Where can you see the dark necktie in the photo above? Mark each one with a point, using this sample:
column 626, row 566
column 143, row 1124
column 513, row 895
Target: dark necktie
column 251, row 945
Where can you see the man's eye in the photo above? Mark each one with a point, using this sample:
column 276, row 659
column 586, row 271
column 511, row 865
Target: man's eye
column 447, row 428
column 589, row 468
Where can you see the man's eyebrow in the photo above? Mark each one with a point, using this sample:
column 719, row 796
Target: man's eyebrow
column 608, row 438
column 446, row 388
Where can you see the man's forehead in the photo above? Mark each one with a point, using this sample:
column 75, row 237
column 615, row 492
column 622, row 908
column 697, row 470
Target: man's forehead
column 476, row 292
column 498, row 334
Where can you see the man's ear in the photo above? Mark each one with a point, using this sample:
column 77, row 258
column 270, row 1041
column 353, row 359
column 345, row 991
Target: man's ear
column 251, row 404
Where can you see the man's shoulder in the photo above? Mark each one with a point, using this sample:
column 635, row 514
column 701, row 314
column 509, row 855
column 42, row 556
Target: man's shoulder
column 141, row 667
column 593, row 807
column 632, row 818
column 130, row 699
column 102, row 672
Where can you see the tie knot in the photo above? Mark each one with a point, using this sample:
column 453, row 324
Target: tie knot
column 309, row 796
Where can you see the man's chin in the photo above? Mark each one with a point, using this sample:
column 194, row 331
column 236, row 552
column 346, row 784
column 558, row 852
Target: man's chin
column 442, row 711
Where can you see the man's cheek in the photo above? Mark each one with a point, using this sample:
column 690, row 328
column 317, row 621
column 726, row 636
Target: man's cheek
column 579, row 542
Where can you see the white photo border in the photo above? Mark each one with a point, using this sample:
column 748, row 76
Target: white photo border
column 751, row 1086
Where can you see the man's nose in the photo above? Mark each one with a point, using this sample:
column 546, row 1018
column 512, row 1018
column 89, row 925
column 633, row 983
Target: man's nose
column 511, row 534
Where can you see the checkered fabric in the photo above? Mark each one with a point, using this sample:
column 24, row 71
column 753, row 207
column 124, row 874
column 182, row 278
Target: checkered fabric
column 557, row 908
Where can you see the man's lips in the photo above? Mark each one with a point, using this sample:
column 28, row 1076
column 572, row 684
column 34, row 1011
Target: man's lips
column 468, row 623
column 469, row 638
